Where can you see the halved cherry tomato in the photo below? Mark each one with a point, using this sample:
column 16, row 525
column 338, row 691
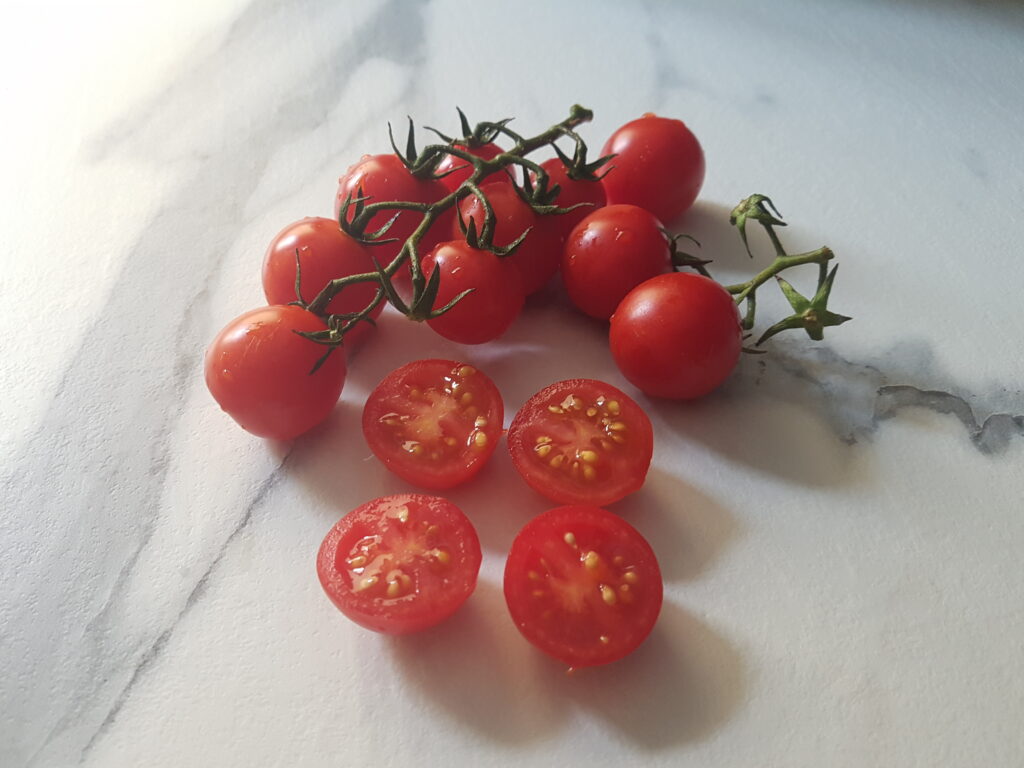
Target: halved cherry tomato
column 581, row 441
column 434, row 423
column 258, row 371
column 325, row 253
column 460, row 170
column 400, row 563
column 583, row 585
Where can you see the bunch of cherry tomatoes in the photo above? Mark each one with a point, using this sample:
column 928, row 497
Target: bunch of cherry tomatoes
column 581, row 584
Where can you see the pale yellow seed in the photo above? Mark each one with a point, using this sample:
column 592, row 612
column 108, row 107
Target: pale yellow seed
column 450, row 441
column 591, row 560
column 433, row 530
column 467, row 398
column 608, row 595
column 466, row 370
column 414, row 393
column 366, row 583
column 543, row 449
column 480, row 421
column 570, row 538
column 613, row 407
column 618, row 438
column 575, row 469
column 588, row 456
column 394, row 589
column 402, row 513
column 618, row 560
column 543, row 439
column 443, row 556
column 591, row 412
column 589, row 473
column 358, row 561
column 630, row 577
column 600, row 400
column 577, row 404
column 604, row 639
column 555, row 409
column 557, row 461
column 617, row 426
column 480, row 439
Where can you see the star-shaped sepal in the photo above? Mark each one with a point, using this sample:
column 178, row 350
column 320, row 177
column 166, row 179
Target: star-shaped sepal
column 813, row 315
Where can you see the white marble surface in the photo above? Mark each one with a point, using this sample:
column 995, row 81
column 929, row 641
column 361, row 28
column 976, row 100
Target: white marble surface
column 840, row 528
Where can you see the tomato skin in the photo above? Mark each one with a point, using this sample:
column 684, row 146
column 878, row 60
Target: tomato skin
column 573, row 192
column 452, row 181
column 582, row 441
column 429, row 407
column 658, row 165
column 538, row 257
column 384, row 178
column 258, row 371
column 490, row 309
column 676, row 336
column 583, row 585
column 325, row 254
column 424, row 545
column 609, row 253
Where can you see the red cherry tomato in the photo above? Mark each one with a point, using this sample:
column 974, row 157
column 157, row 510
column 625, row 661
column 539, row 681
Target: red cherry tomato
column 658, row 165
column 434, row 423
column 258, row 371
column 610, row 252
column 463, row 169
column 495, row 301
column 325, row 254
column 538, row 257
column 583, row 585
column 400, row 563
column 581, row 441
column 384, row 178
column 676, row 335
column 573, row 192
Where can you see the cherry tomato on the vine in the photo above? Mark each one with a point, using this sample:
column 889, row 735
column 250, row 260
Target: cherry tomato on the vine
column 258, row 371
column 434, row 423
column 495, row 300
column 401, row 563
column 573, row 192
column 583, row 585
column 658, row 165
column 458, row 170
column 610, row 252
column 581, row 441
column 538, row 257
column 325, row 253
column 676, row 335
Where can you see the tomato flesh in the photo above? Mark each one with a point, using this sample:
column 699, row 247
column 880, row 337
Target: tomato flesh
column 583, row 585
column 400, row 563
column 434, row 423
column 582, row 441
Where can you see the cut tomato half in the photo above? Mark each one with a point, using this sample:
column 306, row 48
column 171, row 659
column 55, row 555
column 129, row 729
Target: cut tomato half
column 582, row 441
column 434, row 423
column 400, row 563
column 583, row 585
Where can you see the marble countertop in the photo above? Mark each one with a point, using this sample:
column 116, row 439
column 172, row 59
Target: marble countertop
column 840, row 526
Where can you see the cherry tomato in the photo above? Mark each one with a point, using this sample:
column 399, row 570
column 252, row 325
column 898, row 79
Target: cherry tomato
column 400, row 563
column 325, row 253
column 258, row 371
column 538, row 257
column 676, row 335
column 573, row 192
column 463, row 169
column 609, row 253
column 583, row 585
column 495, row 301
column 658, row 165
column 434, row 423
column 581, row 441
column 384, row 178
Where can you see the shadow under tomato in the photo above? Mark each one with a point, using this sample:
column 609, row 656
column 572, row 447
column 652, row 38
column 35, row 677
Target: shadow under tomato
column 478, row 668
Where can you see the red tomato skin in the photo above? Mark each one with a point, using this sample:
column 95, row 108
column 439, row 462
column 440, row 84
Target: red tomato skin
column 538, row 257
column 384, row 178
column 452, row 181
column 658, row 165
column 258, row 371
column 571, row 637
column 627, row 465
column 611, row 252
column 422, row 610
column 490, row 309
column 676, row 336
column 325, row 254
column 423, row 374
column 590, row 194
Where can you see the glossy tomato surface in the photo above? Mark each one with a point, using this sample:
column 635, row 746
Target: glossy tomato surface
column 434, row 423
column 676, row 335
column 658, row 165
column 538, row 257
column 258, row 371
column 583, row 585
column 325, row 253
column 589, row 195
column 457, row 170
column 581, row 441
column 495, row 300
column 401, row 563
column 609, row 253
